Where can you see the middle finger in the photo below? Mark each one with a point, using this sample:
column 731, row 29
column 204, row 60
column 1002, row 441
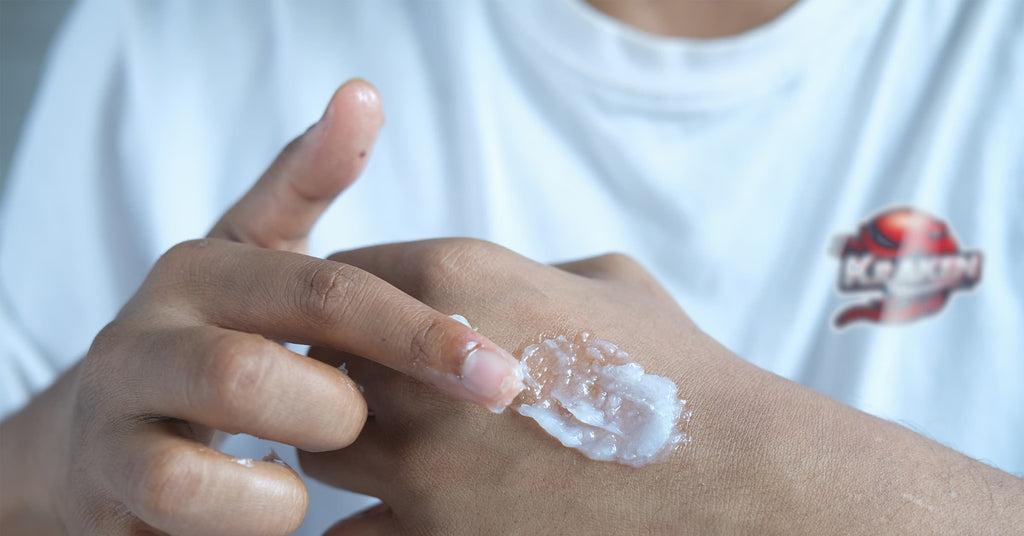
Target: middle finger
column 240, row 382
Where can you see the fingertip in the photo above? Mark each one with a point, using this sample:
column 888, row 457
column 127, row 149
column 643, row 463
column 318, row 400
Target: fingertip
column 342, row 139
column 363, row 92
column 356, row 99
column 343, row 413
column 471, row 367
column 353, row 419
column 494, row 375
column 181, row 487
column 295, row 497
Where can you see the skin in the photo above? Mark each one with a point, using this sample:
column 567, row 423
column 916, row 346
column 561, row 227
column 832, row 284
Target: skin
column 768, row 456
column 119, row 445
column 699, row 19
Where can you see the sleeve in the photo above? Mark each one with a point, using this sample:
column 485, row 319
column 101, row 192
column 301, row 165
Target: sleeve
column 67, row 260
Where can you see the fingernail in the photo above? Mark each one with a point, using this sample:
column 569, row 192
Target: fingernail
column 494, row 376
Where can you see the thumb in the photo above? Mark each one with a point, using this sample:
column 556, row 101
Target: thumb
column 281, row 208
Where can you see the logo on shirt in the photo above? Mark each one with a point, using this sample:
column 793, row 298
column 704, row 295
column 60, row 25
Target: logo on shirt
column 909, row 264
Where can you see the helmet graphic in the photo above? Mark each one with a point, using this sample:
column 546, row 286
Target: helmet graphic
column 903, row 231
column 904, row 238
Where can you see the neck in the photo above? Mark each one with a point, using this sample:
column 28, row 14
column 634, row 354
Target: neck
column 700, row 19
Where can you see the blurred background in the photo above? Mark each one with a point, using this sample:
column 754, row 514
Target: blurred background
column 26, row 29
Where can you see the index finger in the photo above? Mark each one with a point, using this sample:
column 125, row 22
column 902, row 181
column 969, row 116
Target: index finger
column 302, row 299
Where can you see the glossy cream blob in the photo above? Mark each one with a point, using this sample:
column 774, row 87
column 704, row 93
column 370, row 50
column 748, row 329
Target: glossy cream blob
column 589, row 395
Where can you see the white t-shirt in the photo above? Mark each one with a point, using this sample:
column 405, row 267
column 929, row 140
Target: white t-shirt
column 728, row 167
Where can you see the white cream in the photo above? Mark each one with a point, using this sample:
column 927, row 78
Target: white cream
column 591, row 397
column 462, row 320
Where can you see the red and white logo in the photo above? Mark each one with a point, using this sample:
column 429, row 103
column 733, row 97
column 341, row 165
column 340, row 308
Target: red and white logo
column 908, row 261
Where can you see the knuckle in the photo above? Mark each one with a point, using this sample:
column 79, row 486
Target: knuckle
column 619, row 263
column 102, row 364
column 428, row 336
column 176, row 263
column 165, row 483
column 237, row 368
column 329, row 291
column 183, row 251
column 629, row 274
column 106, row 339
column 446, row 263
column 467, row 252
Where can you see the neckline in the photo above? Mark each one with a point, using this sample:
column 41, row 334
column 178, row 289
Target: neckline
column 615, row 55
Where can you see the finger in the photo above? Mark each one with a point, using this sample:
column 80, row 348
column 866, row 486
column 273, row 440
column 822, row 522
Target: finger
column 279, row 211
column 181, row 487
column 297, row 298
column 375, row 521
column 367, row 370
column 240, row 382
column 469, row 277
column 388, row 393
column 362, row 467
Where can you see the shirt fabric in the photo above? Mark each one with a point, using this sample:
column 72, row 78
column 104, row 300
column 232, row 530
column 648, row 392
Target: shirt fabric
column 727, row 167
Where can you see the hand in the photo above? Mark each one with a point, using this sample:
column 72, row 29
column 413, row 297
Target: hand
column 767, row 456
column 119, row 445
column 446, row 468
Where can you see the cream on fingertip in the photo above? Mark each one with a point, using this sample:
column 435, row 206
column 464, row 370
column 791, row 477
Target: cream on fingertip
column 485, row 374
column 493, row 375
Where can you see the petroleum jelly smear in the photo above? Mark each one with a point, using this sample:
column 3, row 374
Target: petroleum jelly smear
column 591, row 397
